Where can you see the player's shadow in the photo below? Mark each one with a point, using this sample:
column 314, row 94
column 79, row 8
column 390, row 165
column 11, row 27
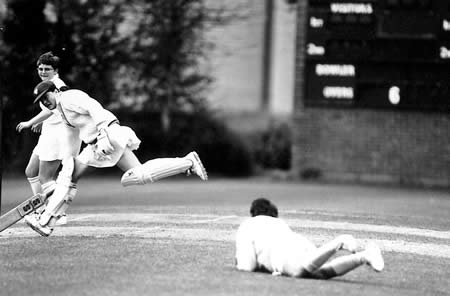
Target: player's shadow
column 365, row 283
column 340, row 280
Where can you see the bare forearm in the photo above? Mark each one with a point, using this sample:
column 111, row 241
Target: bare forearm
column 43, row 115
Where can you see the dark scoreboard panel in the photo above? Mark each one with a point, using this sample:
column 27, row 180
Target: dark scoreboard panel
column 392, row 54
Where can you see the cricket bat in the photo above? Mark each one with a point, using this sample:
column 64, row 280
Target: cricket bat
column 16, row 214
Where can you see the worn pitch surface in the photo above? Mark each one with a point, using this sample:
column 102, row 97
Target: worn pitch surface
column 176, row 238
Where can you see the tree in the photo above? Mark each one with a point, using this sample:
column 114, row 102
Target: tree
column 165, row 46
column 82, row 33
column 144, row 52
column 24, row 37
column 90, row 45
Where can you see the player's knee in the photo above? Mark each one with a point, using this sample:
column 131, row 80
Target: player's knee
column 45, row 177
column 133, row 176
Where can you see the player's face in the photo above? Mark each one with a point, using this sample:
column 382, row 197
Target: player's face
column 46, row 72
column 49, row 100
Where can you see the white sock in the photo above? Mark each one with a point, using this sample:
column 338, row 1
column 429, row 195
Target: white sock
column 35, row 185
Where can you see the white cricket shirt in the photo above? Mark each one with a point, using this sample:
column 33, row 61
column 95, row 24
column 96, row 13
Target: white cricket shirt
column 265, row 242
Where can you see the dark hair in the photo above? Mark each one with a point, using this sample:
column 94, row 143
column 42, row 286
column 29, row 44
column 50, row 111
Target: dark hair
column 263, row 206
column 49, row 58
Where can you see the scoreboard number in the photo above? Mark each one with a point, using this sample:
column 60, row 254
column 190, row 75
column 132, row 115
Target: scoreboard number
column 373, row 54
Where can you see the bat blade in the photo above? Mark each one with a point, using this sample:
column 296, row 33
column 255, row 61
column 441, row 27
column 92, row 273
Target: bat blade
column 26, row 207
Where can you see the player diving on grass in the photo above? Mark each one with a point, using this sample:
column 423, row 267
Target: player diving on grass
column 56, row 141
column 108, row 144
column 266, row 243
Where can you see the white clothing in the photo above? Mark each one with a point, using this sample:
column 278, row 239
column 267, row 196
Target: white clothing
column 265, row 242
column 86, row 115
column 54, row 119
column 120, row 137
column 56, row 141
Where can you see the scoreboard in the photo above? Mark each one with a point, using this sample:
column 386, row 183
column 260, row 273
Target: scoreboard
column 390, row 54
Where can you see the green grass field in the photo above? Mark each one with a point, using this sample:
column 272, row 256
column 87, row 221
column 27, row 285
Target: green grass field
column 176, row 238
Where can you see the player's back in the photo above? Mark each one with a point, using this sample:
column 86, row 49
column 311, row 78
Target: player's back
column 85, row 113
column 276, row 246
column 266, row 234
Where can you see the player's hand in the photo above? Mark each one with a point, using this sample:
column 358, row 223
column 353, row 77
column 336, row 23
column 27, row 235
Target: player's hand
column 103, row 146
column 37, row 128
column 22, row 125
column 100, row 156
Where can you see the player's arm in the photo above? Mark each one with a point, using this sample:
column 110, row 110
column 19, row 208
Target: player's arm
column 43, row 115
column 245, row 257
column 103, row 119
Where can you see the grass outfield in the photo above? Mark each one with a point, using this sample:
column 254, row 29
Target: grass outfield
column 176, row 238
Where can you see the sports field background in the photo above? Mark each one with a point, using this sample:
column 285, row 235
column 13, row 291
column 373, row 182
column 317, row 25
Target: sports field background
column 176, row 237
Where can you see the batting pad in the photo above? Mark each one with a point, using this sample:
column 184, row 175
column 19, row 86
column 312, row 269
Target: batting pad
column 154, row 170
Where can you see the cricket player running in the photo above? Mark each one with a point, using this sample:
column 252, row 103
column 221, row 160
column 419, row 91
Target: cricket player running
column 266, row 243
column 108, row 144
column 56, row 141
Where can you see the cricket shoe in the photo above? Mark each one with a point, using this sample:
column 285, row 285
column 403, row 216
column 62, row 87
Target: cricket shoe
column 33, row 222
column 348, row 243
column 61, row 220
column 373, row 257
column 197, row 166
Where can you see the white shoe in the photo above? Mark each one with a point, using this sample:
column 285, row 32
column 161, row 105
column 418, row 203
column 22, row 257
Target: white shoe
column 197, row 166
column 62, row 220
column 33, row 222
column 348, row 243
column 373, row 256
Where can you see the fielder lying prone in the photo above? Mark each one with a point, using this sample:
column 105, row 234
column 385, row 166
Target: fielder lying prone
column 266, row 243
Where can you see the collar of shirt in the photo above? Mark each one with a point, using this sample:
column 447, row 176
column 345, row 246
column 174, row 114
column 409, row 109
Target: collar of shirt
column 63, row 115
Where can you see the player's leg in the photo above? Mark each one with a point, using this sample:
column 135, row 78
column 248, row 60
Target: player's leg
column 326, row 251
column 32, row 174
column 48, row 170
column 61, row 199
column 128, row 161
column 47, row 174
column 342, row 265
column 65, row 192
column 159, row 168
column 45, row 159
column 45, row 178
